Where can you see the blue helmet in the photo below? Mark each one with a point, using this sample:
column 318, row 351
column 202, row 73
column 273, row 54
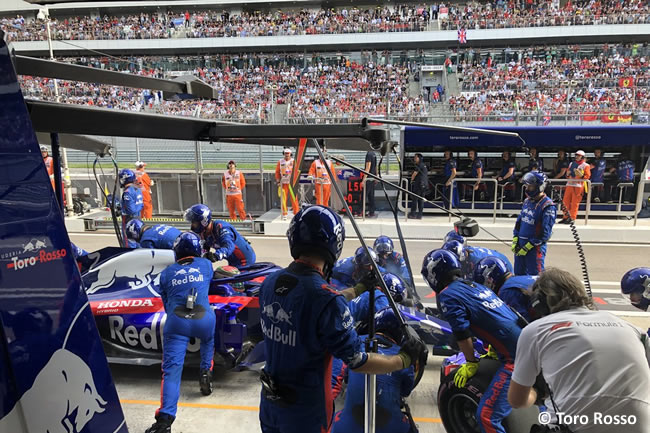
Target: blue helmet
column 395, row 286
column 126, row 177
column 383, row 245
column 317, row 229
column 134, row 230
column 188, row 244
column 491, row 272
column 361, row 259
column 456, row 248
column 537, row 180
column 635, row 285
column 387, row 322
column 453, row 236
column 438, row 267
column 199, row 216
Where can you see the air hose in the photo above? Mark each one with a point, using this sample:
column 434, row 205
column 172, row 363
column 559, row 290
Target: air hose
column 111, row 202
column 578, row 243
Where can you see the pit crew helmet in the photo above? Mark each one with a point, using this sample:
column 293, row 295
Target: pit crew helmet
column 453, row 236
column 126, row 176
column 199, row 216
column 491, row 272
column 536, row 180
column 187, row 244
column 635, row 286
column 438, row 267
column 317, row 229
column 395, row 286
column 384, row 246
column 456, row 248
column 134, row 230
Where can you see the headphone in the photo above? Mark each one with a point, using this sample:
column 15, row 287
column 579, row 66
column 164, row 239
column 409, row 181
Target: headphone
column 539, row 303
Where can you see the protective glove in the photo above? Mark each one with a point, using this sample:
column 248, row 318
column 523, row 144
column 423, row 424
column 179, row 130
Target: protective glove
column 412, row 348
column 525, row 249
column 213, row 257
column 515, row 244
column 367, row 282
column 491, row 353
column 464, row 373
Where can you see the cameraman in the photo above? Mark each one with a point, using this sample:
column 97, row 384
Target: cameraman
column 594, row 363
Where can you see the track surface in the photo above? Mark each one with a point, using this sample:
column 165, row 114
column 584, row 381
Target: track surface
column 233, row 405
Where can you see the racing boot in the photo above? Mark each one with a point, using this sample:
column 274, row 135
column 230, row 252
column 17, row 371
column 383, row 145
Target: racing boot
column 163, row 424
column 205, row 382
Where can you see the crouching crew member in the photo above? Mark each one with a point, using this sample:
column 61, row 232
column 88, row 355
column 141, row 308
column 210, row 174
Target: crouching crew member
column 184, row 288
column 234, row 183
column 473, row 309
column 534, row 226
column 224, row 238
column 390, row 259
column 391, row 388
column 305, row 322
column 160, row 236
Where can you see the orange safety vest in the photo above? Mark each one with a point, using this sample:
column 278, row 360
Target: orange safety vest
column 586, row 173
column 319, row 172
column 233, row 183
column 144, row 183
column 49, row 165
column 283, row 171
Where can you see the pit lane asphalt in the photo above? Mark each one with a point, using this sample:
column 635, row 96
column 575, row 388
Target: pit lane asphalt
column 233, row 405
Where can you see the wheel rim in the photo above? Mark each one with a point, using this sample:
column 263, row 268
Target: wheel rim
column 462, row 414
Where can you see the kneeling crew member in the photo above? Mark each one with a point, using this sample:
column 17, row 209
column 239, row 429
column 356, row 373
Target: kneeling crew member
column 470, row 256
column 184, row 288
column 534, row 226
column 224, row 238
column 160, row 236
column 473, row 309
column 391, row 388
column 390, row 259
column 513, row 290
column 305, row 322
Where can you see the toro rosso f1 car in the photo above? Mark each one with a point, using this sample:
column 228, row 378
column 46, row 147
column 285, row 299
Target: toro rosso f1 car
column 123, row 290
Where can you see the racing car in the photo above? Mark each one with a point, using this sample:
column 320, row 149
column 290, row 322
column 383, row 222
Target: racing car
column 123, row 291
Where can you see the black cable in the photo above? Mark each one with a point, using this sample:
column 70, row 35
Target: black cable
column 578, row 243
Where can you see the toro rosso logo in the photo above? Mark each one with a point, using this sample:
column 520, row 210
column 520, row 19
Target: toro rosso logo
column 42, row 257
column 33, row 245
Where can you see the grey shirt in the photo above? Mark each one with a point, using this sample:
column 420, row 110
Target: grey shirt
column 594, row 363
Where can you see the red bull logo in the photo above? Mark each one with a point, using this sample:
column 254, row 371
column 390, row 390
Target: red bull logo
column 77, row 400
column 277, row 315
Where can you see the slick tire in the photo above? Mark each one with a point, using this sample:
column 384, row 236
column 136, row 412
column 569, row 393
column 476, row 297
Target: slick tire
column 457, row 406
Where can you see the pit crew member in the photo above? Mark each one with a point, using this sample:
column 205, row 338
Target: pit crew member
column 184, row 288
column 595, row 364
column 578, row 171
column 473, row 309
column 534, row 226
column 390, row 259
column 513, row 290
column 305, row 322
column 131, row 198
column 348, row 271
column 225, row 239
column 391, row 388
column 470, row 256
column 160, row 236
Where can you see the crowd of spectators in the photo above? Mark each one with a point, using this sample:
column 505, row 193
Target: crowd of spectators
column 610, row 82
column 511, row 14
column 343, row 90
column 211, row 24
column 341, row 20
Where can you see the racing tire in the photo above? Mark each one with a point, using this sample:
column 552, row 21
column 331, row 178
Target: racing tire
column 458, row 406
